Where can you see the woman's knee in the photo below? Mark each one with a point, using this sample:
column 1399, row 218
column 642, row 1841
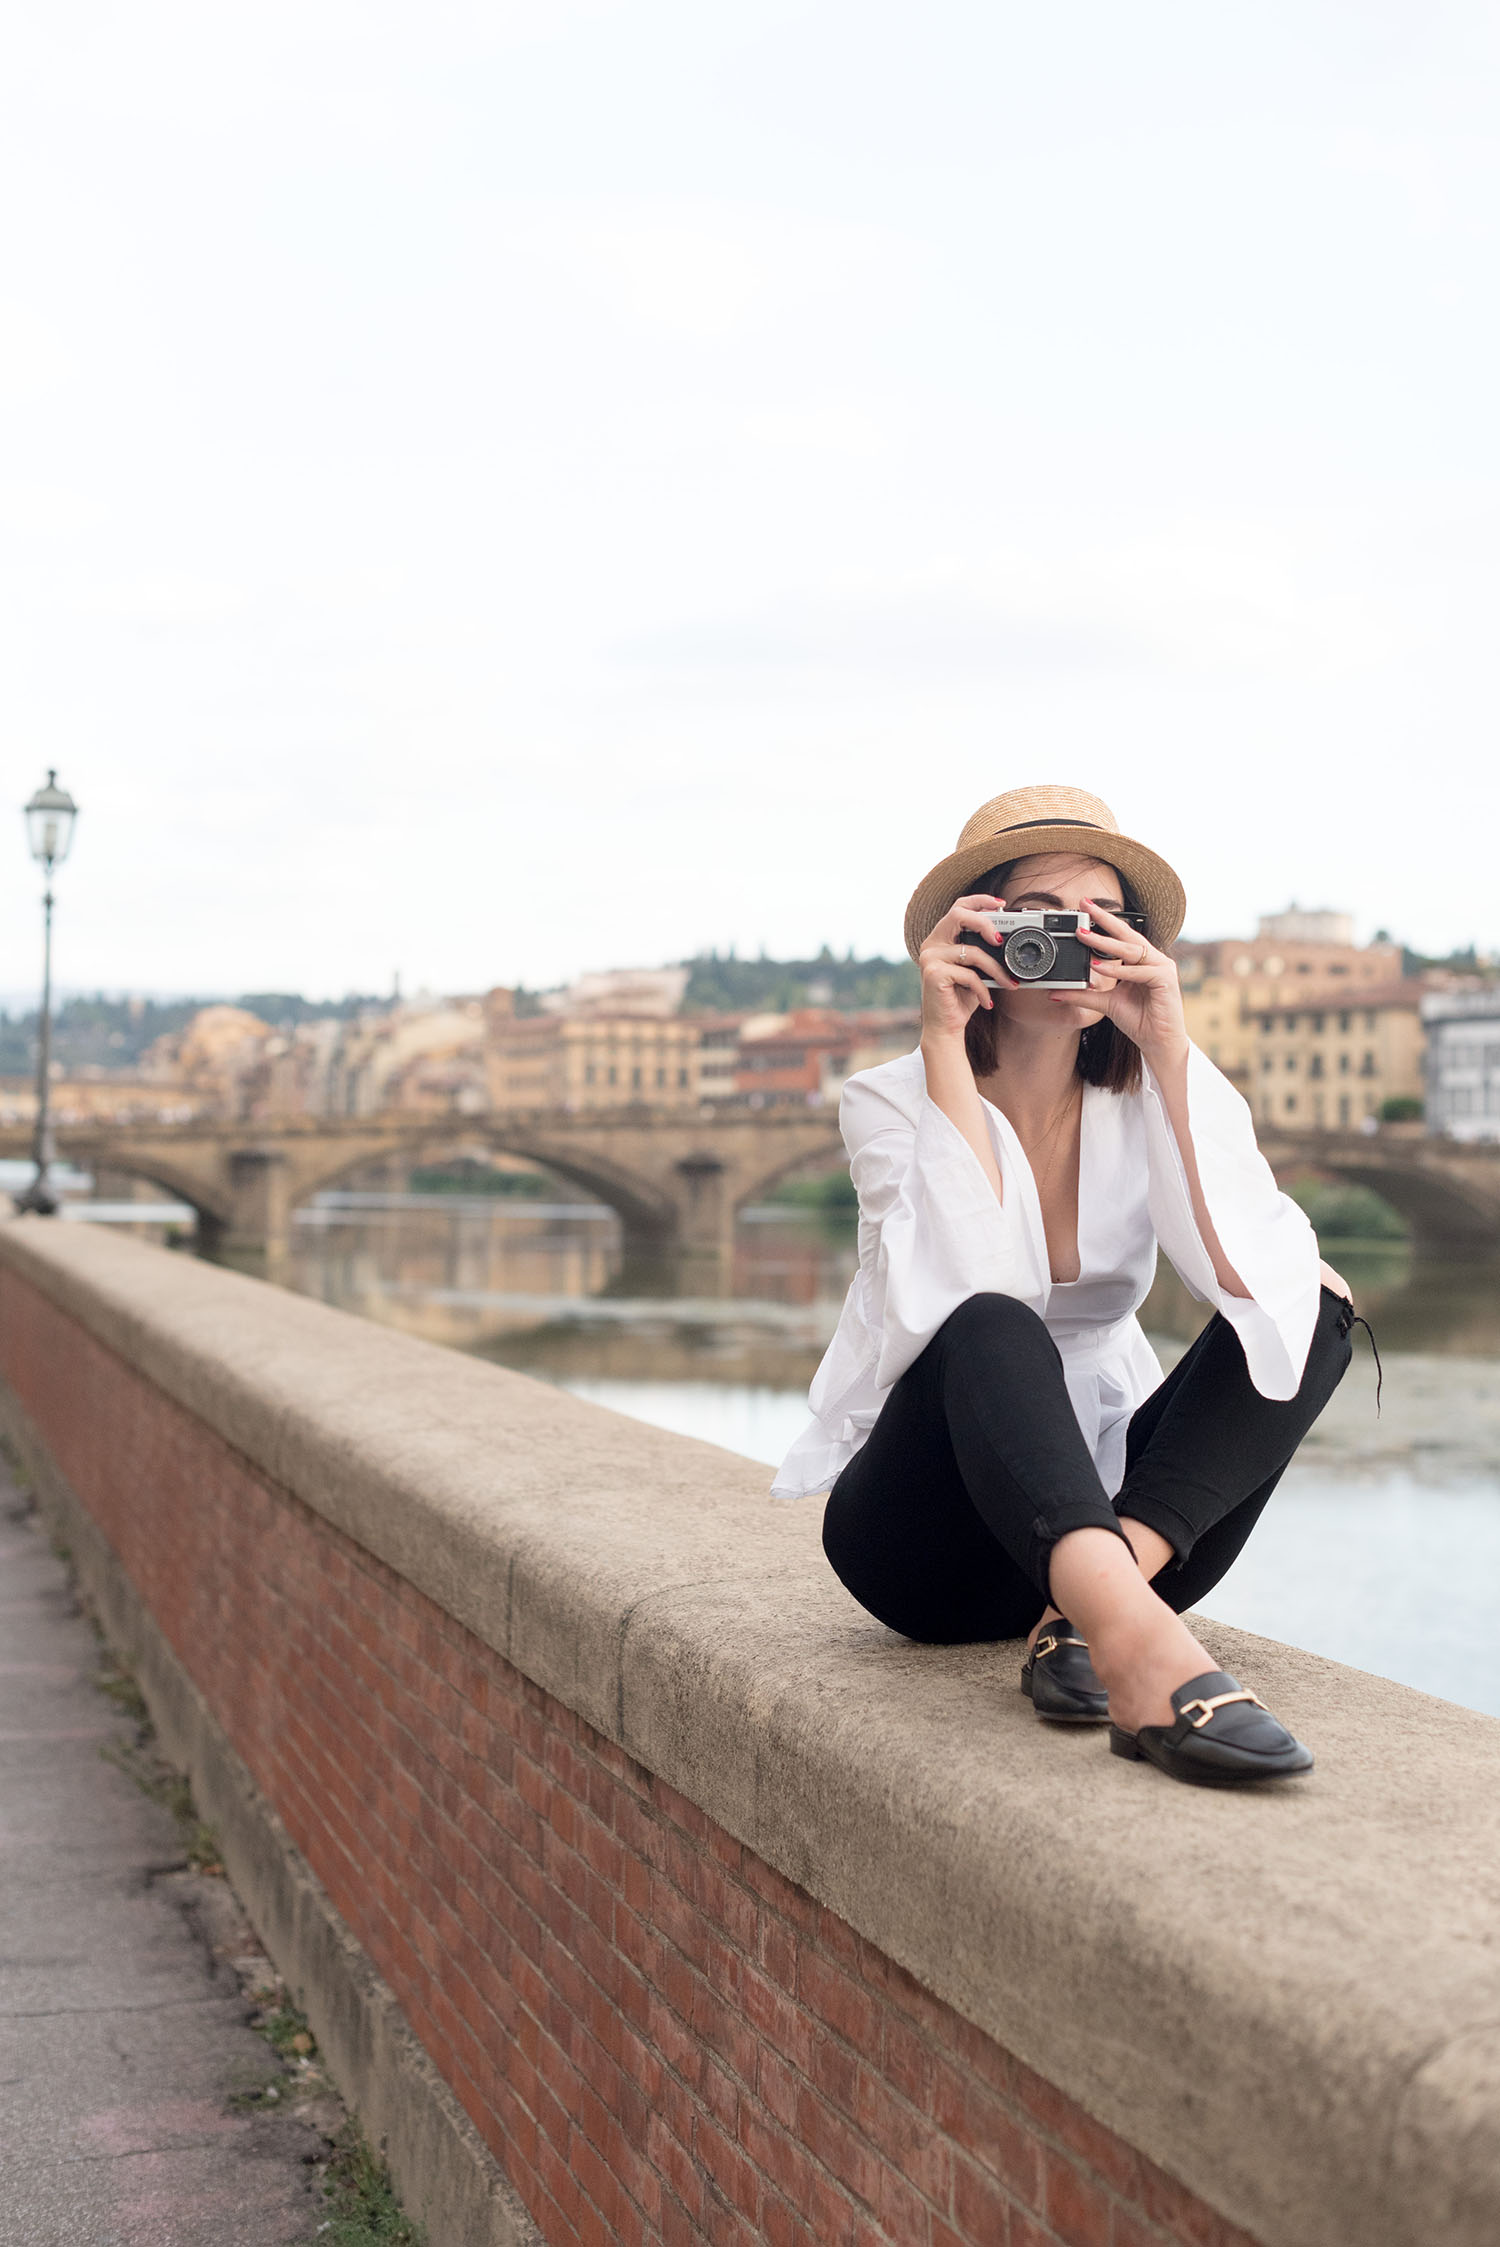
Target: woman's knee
column 854, row 1554
column 924, row 1595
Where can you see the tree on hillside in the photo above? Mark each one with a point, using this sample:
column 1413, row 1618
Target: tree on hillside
column 727, row 985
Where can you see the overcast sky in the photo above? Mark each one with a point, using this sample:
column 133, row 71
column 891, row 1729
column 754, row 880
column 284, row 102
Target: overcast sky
column 494, row 489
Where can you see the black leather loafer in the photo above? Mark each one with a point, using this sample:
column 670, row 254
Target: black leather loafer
column 1224, row 1735
column 1058, row 1678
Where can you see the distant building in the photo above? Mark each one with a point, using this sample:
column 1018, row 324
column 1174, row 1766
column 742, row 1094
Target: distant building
column 719, row 1055
column 621, row 991
column 295, row 1071
column 424, row 1056
column 1228, row 983
column 100, row 1095
column 1463, row 1062
column 878, row 1034
column 587, row 1060
column 804, row 1058
column 212, row 1061
column 1331, row 1060
column 1297, row 927
column 785, row 1060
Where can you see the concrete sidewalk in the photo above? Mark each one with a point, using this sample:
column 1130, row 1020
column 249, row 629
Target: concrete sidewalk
column 123, row 2038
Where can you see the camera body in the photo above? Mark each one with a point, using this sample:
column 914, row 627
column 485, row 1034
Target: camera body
column 1043, row 946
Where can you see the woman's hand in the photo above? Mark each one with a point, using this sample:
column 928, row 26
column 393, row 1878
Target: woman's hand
column 953, row 986
column 953, row 973
column 1134, row 985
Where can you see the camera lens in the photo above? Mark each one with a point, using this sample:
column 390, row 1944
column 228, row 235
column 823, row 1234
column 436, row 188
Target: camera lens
column 1029, row 953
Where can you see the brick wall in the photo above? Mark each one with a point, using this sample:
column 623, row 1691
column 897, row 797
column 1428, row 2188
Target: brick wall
column 657, row 2035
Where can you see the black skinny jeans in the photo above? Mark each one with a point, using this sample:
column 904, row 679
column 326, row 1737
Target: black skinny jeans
column 943, row 1524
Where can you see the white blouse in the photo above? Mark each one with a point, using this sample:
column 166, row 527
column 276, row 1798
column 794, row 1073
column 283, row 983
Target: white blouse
column 932, row 1233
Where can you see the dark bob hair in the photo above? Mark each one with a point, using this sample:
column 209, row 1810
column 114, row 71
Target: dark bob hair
column 1105, row 1055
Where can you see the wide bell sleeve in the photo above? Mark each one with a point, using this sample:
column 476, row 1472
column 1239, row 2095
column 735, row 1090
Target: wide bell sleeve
column 935, row 1231
column 1264, row 1235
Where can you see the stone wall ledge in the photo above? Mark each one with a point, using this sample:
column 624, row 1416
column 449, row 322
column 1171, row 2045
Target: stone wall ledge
column 1288, row 1999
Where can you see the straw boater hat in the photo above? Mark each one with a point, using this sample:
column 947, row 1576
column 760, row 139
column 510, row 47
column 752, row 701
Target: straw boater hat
column 1027, row 820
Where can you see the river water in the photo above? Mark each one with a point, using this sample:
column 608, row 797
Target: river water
column 1381, row 1548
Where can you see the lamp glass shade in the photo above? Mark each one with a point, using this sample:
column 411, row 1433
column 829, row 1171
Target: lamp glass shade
column 49, row 823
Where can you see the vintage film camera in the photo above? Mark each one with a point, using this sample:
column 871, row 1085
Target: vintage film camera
column 1043, row 947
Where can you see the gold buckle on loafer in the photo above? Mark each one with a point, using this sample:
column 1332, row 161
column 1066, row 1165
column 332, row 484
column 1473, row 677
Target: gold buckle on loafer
column 1219, row 1701
column 1050, row 1645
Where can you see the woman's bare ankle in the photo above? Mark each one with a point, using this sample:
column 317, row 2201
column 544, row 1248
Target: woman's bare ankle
column 1140, row 1649
column 1142, row 1659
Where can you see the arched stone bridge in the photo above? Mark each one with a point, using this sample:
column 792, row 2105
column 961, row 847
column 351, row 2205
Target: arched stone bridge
column 1448, row 1190
column 677, row 1180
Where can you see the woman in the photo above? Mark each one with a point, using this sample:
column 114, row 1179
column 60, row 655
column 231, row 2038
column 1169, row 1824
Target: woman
column 1004, row 1454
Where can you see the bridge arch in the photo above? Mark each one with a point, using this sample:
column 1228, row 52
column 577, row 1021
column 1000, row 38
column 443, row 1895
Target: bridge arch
column 764, row 1180
column 647, row 1215
column 1449, row 1214
column 211, row 1208
column 1443, row 1217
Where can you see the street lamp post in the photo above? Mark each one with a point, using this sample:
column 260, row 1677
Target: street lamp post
column 49, row 830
